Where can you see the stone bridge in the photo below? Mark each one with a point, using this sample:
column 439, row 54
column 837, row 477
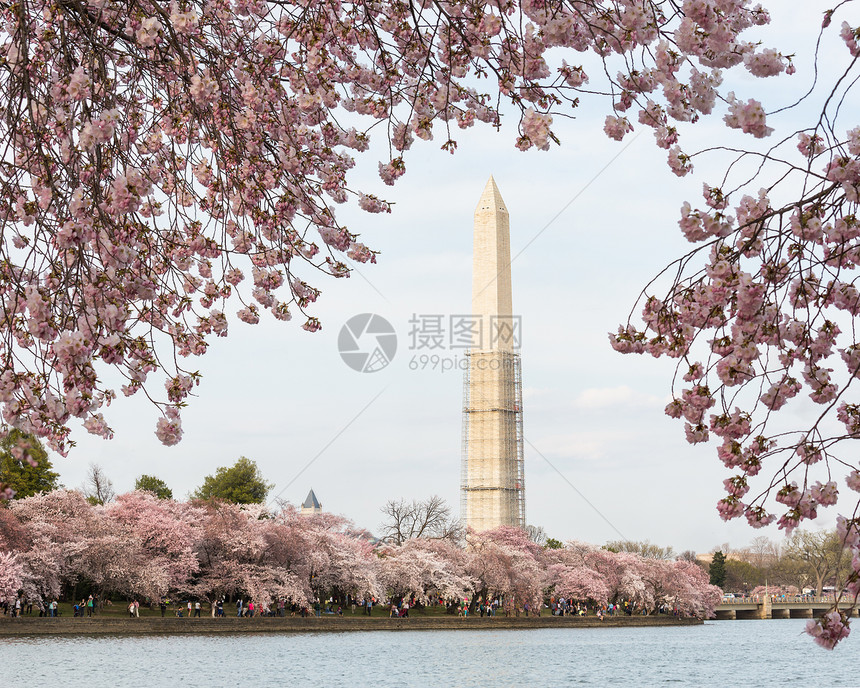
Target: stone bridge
column 773, row 607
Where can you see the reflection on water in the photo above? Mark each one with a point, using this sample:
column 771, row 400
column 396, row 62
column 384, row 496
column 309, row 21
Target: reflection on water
column 727, row 653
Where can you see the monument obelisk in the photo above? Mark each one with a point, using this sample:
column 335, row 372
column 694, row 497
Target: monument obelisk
column 492, row 488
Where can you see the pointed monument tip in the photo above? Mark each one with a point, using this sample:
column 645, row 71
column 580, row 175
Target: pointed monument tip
column 491, row 198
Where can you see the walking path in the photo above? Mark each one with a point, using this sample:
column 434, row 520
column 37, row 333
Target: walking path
column 144, row 626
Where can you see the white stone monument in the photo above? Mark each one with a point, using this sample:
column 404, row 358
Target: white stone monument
column 492, row 486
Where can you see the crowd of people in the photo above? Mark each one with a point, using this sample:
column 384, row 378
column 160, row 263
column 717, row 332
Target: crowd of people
column 248, row 608
column 21, row 605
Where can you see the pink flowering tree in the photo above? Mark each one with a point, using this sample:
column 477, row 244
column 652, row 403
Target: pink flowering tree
column 578, row 583
column 621, row 572
column 59, row 528
column 680, row 585
column 12, row 533
column 759, row 315
column 161, row 156
column 426, row 570
column 11, row 576
column 609, row 567
column 160, row 536
column 138, row 546
column 220, row 570
column 591, row 574
column 240, row 552
column 692, row 591
column 506, row 565
column 339, row 564
column 573, row 572
column 42, row 571
column 269, row 555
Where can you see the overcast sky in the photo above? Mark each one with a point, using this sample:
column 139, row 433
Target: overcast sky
column 591, row 222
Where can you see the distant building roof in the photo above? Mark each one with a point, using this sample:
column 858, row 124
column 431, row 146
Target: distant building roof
column 311, row 501
column 709, row 557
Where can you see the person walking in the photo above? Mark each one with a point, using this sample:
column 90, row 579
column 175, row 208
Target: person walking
column 239, row 607
column 197, row 609
column 163, row 606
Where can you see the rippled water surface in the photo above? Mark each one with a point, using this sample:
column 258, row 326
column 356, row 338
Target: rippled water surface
column 727, row 653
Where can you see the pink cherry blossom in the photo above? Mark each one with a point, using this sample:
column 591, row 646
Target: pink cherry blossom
column 11, row 575
column 747, row 116
column 767, row 62
column 536, row 128
column 169, row 428
column 829, row 629
column 849, row 36
column 616, row 127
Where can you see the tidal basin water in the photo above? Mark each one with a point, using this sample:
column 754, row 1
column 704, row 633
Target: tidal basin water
column 720, row 653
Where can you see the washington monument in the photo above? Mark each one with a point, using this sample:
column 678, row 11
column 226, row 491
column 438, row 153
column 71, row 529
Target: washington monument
column 492, row 488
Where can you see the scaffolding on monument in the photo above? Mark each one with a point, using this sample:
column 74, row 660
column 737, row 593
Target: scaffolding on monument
column 503, row 411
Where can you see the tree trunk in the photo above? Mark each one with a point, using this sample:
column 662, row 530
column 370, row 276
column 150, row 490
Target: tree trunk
column 819, row 582
column 473, row 603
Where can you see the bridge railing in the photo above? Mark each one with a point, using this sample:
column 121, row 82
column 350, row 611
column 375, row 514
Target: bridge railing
column 779, row 599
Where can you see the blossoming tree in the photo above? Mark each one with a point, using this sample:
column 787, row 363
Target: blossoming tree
column 11, row 575
column 158, row 154
column 426, row 570
column 143, row 547
column 760, row 316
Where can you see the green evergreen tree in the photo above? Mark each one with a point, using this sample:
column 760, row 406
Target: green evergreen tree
column 157, row 486
column 717, row 570
column 241, row 483
column 18, row 474
column 552, row 543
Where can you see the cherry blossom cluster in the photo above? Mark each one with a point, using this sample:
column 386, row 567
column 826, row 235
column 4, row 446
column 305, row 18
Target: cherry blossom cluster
column 760, row 317
column 830, row 629
column 11, row 575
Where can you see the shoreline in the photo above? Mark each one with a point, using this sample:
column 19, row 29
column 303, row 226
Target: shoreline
column 24, row 626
